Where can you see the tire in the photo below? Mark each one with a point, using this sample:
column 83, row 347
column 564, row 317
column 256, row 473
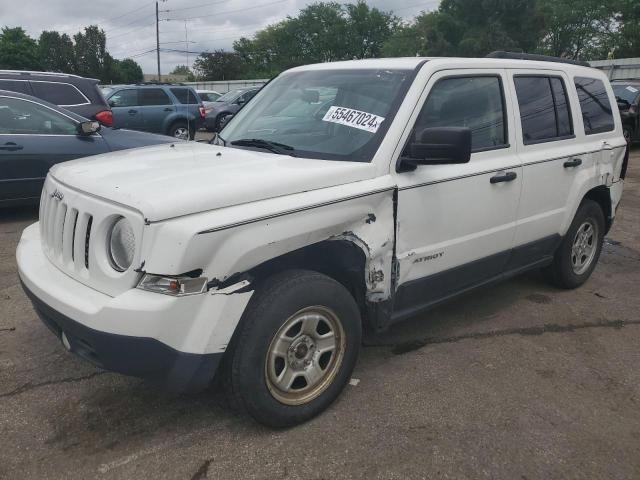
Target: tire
column 179, row 129
column 571, row 266
column 216, row 126
column 626, row 131
column 271, row 342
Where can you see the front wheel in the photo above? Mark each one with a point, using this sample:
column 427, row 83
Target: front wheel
column 578, row 254
column 295, row 350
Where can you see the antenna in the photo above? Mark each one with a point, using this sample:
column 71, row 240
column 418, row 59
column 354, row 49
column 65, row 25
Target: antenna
column 186, row 49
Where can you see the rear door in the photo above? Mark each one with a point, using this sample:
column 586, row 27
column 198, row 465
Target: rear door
column 33, row 138
column 554, row 159
column 126, row 110
column 156, row 106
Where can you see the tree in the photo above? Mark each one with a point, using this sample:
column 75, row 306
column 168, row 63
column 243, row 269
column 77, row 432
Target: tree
column 18, row 50
column 627, row 40
column 184, row 70
column 124, row 71
column 576, row 30
column 92, row 59
column 368, row 29
column 56, row 52
column 218, row 65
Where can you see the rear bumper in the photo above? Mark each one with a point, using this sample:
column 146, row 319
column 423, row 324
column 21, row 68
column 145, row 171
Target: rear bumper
column 137, row 356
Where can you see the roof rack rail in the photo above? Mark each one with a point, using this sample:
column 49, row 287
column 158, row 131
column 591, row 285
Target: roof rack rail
column 152, row 82
column 34, row 72
column 533, row 56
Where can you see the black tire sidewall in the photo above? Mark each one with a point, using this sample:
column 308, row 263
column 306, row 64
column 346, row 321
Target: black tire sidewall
column 285, row 295
column 566, row 277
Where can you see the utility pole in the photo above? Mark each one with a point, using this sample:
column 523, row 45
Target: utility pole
column 158, row 41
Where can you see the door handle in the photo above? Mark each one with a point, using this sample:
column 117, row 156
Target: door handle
column 574, row 162
column 132, row 112
column 12, row 147
column 504, row 177
column 168, row 109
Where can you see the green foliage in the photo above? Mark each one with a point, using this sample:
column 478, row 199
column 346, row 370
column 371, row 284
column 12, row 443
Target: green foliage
column 92, row 59
column 184, row 70
column 18, row 50
column 56, row 52
column 218, row 65
column 125, row 71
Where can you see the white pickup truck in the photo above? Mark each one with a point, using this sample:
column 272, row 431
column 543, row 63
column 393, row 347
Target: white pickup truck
column 343, row 198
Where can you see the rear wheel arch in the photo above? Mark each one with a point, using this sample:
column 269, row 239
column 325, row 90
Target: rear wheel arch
column 602, row 197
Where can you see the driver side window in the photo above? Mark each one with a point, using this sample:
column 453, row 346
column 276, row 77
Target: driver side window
column 473, row 102
column 19, row 116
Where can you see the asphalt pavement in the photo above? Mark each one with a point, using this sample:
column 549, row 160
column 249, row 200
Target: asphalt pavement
column 516, row 381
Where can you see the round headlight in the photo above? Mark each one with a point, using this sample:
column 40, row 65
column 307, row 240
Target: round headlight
column 122, row 244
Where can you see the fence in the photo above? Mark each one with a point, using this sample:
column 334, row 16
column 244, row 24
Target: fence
column 622, row 68
column 224, row 86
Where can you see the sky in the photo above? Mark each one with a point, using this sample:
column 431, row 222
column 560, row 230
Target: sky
column 205, row 24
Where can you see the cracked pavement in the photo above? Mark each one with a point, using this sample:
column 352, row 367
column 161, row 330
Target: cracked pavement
column 514, row 381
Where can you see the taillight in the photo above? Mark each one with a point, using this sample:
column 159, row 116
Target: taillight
column 105, row 117
column 203, row 112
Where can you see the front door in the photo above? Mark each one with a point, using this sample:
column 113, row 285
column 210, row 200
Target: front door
column 456, row 223
column 33, row 138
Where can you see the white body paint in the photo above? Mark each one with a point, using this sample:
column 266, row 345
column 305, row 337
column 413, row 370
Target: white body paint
column 227, row 210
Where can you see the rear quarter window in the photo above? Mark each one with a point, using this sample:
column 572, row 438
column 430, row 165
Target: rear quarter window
column 186, row 96
column 20, row 86
column 63, row 94
column 597, row 115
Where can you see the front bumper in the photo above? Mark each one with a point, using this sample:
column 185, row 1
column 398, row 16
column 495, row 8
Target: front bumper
column 175, row 340
column 137, row 356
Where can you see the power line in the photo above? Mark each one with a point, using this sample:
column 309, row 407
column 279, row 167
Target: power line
column 228, row 11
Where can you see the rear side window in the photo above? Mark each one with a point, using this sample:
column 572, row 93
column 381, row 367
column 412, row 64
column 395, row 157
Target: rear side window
column 124, row 98
column 544, row 109
column 20, row 86
column 153, row 96
column 474, row 102
column 594, row 103
column 185, row 96
column 63, row 94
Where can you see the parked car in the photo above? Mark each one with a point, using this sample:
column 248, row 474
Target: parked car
column 35, row 135
column 266, row 256
column 77, row 94
column 227, row 104
column 170, row 109
column 627, row 94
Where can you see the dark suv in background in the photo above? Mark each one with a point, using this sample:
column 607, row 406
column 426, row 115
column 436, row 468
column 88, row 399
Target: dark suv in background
column 171, row 109
column 77, row 94
column 628, row 97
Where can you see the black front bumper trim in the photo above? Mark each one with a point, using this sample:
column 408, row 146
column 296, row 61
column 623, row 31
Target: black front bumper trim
column 136, row 356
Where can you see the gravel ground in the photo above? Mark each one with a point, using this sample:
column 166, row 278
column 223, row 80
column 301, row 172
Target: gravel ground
column 516, row 381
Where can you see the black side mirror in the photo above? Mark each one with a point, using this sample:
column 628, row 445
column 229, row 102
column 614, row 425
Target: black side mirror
column 88, row 127
column 440, row 145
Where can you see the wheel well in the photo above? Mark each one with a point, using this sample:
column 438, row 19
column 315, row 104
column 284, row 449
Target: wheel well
column 602, row 197
column 341, row 260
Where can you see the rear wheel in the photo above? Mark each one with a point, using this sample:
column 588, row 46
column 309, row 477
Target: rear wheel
column 626, row 131
column 579, row 251
column 181, row 130
column 295, row 350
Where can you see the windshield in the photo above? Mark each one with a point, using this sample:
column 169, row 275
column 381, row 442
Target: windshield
column 626, row 92
column 326, row 114
column 229, row 96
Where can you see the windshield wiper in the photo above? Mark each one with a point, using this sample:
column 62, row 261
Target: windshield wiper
column 275, row 147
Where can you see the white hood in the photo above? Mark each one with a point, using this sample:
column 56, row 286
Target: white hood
column 166, row 181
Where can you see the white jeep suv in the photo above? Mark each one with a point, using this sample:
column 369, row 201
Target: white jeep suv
column 343, row 198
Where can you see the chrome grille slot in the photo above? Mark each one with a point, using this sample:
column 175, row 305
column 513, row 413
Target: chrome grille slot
column 58, row 229
column 68, row 234
column 86, row 242
column 79, row 241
